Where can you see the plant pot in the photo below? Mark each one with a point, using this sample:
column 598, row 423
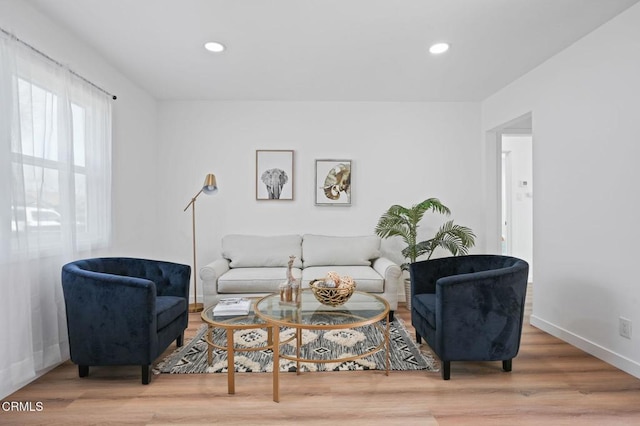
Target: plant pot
column 407, row 292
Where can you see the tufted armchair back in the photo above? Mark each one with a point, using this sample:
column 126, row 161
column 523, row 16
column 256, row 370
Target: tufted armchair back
column 168, row 277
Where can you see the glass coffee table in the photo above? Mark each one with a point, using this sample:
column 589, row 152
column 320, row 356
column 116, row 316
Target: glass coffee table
column 360, row 310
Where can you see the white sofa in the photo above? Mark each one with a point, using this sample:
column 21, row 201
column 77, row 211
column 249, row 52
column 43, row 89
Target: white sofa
column 256, row 265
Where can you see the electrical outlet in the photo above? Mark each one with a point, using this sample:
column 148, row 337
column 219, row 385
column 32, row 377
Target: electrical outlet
column 625, row 327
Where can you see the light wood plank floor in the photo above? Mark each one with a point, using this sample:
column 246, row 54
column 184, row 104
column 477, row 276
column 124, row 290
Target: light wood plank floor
column 552, row 383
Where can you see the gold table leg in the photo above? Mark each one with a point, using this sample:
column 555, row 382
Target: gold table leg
column 231, row 367
column 298, row 346
column 210, row 346
column 276, row 362
column 386, row 343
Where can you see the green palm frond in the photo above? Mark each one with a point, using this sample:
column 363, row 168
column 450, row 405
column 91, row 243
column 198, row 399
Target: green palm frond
column 456, row 239
column 394, row 221
column 432, row 204
column 404, row 222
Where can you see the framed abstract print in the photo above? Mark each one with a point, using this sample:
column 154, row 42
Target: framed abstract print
column 333, row 183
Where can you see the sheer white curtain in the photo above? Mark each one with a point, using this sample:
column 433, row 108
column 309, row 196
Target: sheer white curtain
column 55, row 192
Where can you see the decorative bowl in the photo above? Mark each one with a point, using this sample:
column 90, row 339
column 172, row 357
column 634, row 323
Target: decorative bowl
column 332, row 296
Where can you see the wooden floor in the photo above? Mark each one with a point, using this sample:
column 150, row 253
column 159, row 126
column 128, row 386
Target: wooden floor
column 552, row 383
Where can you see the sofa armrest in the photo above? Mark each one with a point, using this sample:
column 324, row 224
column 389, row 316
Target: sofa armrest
column 388, row 269
column 209, row 274
column 391, row 273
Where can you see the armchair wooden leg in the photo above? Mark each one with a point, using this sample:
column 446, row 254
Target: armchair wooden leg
column 506, row 364
column 391, row 315
column 83, row 370
column 146, row 374
column 180, row 340
column 418, row 338
column 446, row 370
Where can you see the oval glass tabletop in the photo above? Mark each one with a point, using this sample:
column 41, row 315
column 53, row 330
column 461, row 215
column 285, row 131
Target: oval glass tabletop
column 361, row 307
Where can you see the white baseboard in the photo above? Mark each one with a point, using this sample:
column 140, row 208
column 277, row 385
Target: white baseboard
column 623, row 363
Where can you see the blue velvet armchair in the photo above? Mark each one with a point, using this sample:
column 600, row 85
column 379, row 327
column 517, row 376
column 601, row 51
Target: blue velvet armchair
column 469, row 308
column 124, row 311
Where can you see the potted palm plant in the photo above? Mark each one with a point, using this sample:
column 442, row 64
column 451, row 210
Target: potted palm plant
column 404, row 222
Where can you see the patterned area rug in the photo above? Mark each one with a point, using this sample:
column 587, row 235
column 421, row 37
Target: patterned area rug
column 317, row 344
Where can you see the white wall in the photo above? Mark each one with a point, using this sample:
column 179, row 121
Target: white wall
column 585, row 112
column 401, row 152
column 134, row 124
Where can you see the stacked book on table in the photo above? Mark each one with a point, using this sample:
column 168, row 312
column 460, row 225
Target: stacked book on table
column 232, row 306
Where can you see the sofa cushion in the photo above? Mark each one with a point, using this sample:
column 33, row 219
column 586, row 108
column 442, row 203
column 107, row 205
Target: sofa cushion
column 425, row 304
column 251, row 251
column 319, row 250
column 254, row 280
column 168, row 308
column 366, row 278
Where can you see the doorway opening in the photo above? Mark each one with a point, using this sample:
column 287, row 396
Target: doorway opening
column 517, row 197
column 514, row 199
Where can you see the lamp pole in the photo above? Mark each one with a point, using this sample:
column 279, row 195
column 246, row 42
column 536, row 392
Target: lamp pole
column 210, row 187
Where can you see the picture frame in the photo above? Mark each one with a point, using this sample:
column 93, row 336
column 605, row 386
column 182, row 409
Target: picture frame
column 333, row 182
column 274, row 174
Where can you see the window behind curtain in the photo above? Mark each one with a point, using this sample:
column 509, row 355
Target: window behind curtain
column 58, row 197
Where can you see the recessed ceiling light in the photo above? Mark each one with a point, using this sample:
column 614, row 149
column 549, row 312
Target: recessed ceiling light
column 438, row 48
column 214, row 46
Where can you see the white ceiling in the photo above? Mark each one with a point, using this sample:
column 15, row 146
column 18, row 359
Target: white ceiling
column 325, row 50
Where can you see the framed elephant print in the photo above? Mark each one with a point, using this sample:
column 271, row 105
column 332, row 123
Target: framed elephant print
column 274, row 175
column 333, row 183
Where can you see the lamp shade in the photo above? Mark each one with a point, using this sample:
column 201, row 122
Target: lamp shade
column 210, row 186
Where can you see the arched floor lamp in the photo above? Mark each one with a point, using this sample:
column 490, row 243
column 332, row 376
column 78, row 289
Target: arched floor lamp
column 210, row 187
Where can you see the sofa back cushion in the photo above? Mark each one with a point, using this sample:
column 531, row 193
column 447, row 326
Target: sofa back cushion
column 252, row 251
column 319, row 250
